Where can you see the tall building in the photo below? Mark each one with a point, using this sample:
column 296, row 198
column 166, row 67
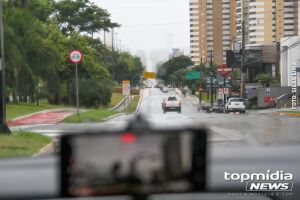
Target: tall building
column 175, row 52
column 212, row 28
column 217, row 24
column 267, row 21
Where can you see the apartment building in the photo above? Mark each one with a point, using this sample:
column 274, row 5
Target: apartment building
column 212, row 28
column 267, row 21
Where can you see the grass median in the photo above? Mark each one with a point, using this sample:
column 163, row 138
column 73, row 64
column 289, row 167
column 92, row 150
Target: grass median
column 134, row 104
column 98, row 115
column 21, row 109
column 94, row 115
column 22, row 144
column 115, row 99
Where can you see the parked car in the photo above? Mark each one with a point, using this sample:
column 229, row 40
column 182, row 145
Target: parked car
column 171, row 103
column 204, row 106
column 218, row 108
column 235, row 105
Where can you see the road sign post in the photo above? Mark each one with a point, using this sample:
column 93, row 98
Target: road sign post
column 225, row 72
column 76, row 57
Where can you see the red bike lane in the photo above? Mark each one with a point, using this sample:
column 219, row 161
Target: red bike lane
column 46, row 117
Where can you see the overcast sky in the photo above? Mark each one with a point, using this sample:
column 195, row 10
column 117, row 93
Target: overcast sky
column 150, row 27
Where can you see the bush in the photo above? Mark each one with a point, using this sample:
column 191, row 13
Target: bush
column 252, row 102
column 94, row 93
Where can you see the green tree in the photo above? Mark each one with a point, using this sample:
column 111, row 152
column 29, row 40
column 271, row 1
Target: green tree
column 39, row 34
column 265, row 79
column 82, row 16
column 168, row 68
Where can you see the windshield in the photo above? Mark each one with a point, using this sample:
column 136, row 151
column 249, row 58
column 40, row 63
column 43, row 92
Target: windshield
column 237, row 100
column 172, row 99
column 71, row 66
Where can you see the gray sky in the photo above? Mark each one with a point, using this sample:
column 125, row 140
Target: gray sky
column 150, row 27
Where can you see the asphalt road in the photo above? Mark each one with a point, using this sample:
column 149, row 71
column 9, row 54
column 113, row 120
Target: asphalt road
column 253, row 131
column 252, row 128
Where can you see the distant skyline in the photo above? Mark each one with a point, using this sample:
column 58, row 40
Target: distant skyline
column 150, row 28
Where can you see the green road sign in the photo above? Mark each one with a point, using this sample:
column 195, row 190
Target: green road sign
column 193, row 75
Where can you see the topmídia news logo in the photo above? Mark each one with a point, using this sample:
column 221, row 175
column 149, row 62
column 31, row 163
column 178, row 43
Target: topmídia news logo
column 278, row 181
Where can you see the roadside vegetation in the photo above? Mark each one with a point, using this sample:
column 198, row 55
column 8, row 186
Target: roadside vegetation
column 21, row 144
column 98, row 115
column 115, row 99
column 39, row 35
column 173, row 72
column 134, row 104
column 93, row 115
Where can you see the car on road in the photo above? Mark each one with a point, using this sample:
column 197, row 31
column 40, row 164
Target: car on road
column 235, row 105
column 165, row 90
column 171, row 103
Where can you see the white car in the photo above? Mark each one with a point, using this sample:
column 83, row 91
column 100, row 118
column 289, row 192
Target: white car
column 171, row 103
column 165, row 90
column 235, row 105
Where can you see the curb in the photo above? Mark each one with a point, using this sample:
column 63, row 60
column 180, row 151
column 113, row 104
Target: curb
column 118, row 105
column 48, row 149
column 139, row 104
column 112, row 117
column 288, row 114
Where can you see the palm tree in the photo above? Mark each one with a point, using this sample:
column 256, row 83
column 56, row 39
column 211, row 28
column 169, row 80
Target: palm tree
column 265, row 79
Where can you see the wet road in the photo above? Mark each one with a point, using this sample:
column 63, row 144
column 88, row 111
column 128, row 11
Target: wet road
column 251, row 128
column 226, row 131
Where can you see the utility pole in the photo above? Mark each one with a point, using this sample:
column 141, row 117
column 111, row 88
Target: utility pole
column 243, row 69
column 104, row 38
column 224, row 86
column 211, row 79
column 112, row 39
column 119, row 47
column 3, row 126
column 116, row 42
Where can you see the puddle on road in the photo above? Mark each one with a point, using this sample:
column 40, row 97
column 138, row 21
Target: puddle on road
column 219, row 135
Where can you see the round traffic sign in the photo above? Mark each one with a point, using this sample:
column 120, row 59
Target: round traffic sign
column 75, row 56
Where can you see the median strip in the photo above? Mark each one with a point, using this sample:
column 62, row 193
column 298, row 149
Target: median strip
column 22, row 144
column 94, row 115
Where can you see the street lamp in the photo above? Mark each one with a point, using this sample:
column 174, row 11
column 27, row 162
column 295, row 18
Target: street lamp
column 3, row 126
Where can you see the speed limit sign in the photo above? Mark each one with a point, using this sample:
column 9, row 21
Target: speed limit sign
column 75, row 56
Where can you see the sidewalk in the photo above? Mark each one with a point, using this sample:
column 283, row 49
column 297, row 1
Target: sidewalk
column 274, row 111
column 44, row 117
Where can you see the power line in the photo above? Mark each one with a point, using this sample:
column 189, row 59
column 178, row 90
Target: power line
column 151, row 25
